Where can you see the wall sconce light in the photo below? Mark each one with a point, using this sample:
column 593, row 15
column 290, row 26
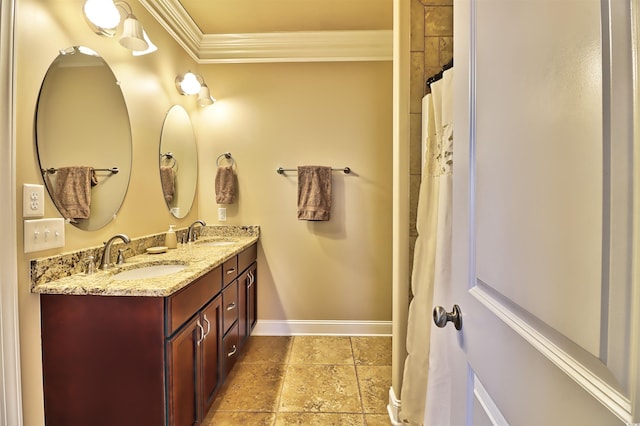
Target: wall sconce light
column 193, row 84
column 104, row 17
column 204, row 96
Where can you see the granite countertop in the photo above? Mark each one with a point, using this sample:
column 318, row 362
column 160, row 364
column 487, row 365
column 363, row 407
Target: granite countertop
column 199, row 258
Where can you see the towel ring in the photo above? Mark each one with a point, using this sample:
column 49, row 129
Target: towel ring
column 226, row 155
column 170, row 156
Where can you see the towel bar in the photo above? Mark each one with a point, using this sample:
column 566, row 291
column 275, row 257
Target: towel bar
column 52, row 170
column 281, row 171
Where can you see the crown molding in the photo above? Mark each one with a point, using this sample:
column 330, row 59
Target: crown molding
column 294, row 46
column 300, row 46
column 177, row 22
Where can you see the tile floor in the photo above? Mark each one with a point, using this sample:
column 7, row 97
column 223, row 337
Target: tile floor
column 307, row 380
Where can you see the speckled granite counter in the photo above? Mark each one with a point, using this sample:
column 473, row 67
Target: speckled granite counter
column 62, row 274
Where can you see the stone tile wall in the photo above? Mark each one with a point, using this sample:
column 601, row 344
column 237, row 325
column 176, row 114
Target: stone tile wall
column 431, row 48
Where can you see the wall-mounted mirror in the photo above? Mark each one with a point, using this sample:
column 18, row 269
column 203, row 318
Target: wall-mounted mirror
column 83, row 138
column 178, row 161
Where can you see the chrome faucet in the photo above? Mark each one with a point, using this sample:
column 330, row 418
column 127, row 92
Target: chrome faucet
column 105, row 263
column 191, row 233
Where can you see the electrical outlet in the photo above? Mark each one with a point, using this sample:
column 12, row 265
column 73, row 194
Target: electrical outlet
column 32, row 200
column 222, row 214
column 43, row 234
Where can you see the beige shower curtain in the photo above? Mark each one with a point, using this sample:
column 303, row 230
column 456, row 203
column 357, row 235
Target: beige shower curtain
column 426, row 366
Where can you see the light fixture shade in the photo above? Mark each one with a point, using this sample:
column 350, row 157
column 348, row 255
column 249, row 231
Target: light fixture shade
column 152, row 47
column 189, row 84
column 204, row 96
column 132, row 35
column 102, row 15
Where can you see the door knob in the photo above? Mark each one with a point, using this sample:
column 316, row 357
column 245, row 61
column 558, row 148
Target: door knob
column 441, row 316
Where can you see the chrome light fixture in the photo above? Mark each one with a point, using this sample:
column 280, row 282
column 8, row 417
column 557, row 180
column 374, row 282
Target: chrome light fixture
column 104, row 17
column 193, row 84
column 189, row 83
column 204, row 96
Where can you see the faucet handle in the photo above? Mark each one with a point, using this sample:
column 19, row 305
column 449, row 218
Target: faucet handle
column 91, row 266
column 120, row 260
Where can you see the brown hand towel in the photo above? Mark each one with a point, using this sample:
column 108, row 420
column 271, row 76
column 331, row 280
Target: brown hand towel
column 314, row 193
column 225, row 185
column 72, row 191
column 168, row 179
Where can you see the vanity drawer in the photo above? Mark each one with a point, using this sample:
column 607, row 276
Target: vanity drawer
column 182, row 305
column 230, row 305
column 229, row 270
column 230, row 350
column 247, row 257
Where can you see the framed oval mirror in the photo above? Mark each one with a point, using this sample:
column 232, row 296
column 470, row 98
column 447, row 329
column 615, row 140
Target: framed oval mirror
column 83, row 138
column 178, row 161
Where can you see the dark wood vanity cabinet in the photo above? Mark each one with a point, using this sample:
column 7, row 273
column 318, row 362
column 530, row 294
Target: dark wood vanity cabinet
column 193, row 366
column 125, row 360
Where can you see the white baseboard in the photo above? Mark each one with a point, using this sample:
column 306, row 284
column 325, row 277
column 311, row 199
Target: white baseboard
column 334, row 328
column 394, row 408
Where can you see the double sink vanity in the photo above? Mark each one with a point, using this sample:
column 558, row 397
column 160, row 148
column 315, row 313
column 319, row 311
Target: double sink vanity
column 148, row 342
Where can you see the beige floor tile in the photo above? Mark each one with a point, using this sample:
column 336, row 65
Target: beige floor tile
column 320, row 388
column 265, row 349
column 377, row 419
column 375, row 350
column 374, row 382
column 251, row 387
column 321, row 350
column 319, row 419
column 237, row 418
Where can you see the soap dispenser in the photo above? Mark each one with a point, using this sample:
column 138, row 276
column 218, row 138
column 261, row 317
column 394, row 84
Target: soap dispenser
column 170, row 239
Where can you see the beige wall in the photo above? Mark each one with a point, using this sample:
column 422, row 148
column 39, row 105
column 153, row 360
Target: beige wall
column 267, row 115
column 336, row 114
column 42, row 28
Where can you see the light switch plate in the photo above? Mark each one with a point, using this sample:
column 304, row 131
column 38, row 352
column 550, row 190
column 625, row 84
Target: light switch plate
column 222, row 214
column 43, row 234
column 32, row 200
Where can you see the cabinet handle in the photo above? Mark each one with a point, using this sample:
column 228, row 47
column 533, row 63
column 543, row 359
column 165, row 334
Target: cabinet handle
column 231, row 306
column 251, row 280
column 204, row 317
column 231, row 271
column 201, row 332
column 233, row 351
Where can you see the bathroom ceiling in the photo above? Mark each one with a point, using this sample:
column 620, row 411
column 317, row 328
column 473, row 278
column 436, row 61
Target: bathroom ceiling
column 260, row 16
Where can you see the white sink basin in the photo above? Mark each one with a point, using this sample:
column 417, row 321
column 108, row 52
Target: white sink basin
column 150, row 271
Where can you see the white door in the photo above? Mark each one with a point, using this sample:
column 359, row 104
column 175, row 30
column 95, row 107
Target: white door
column 545, row 238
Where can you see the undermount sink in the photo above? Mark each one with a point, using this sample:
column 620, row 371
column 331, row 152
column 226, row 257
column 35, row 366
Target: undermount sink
column 150, row 271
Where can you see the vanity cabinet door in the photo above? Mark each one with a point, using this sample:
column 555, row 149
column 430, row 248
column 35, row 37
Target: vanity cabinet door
column 252, row 298
column 243, row 286
column 194, row 366
column 182, row 374
column 247, row 302
column 211, row 369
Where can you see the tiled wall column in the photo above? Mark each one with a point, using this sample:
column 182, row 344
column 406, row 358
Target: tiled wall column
column 431, row 48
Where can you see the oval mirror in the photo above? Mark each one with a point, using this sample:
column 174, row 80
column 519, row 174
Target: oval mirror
column 178, row 161
column 83, row 138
